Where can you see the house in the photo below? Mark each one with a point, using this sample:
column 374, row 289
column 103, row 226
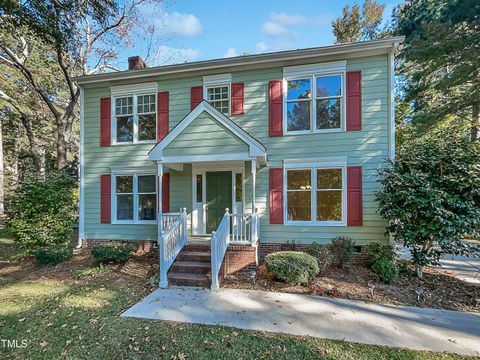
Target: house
column 222, row 161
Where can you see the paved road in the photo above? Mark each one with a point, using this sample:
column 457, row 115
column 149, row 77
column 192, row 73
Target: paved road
column 464, row 268
column 355, row 321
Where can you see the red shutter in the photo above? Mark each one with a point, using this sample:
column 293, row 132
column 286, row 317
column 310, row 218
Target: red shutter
column 105, row 121
column 354, row 196
column 162, row 114
column 237, row 99
column 275, row 108
column 105, row 199
column 196, row 96
column 354, row 100
column 166, row 193
column 276, row 196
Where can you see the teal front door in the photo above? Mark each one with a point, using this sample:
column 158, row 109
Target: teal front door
column 219, row 197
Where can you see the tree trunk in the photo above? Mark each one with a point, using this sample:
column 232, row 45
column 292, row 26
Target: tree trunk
column 419, row 271
column 61, row 148
column 2, row 194
column 475, row 121
column 37, row 152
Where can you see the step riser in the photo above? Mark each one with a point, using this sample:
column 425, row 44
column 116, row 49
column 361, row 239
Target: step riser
column 198, row 283
column 194, row 258
column 190, row 269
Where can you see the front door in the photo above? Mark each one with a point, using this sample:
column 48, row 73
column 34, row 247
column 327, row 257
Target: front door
column 219, row 197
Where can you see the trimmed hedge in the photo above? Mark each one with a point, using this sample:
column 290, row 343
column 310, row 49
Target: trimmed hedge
column 323, row 255
column 53, row 254
column 293, row 267
column 114, row 251
column 376, row 251
column 386, row 270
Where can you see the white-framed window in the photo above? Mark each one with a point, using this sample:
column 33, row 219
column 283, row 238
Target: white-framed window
column 134, row 198
column 134, row 113
column 314, row 98
column 315, row 194
column 217, row 90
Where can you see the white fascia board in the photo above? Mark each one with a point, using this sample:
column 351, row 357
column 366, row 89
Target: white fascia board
column 255, row 147
column 133, row 89
column 310, row 69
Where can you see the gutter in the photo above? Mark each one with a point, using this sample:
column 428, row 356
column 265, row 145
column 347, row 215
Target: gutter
column 258, row 59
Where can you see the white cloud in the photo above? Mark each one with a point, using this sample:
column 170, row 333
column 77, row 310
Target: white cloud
column 231, row 52
column 180, row 24
column 288, row 19
column 170, row 55
column 262, row 46
column 271, row 28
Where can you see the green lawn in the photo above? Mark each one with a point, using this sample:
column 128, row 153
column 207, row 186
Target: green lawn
column 78, row 321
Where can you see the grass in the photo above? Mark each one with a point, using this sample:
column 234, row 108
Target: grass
column 79, row 321
column 92, row 271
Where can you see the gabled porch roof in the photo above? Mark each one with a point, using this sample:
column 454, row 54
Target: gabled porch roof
column 226, row 140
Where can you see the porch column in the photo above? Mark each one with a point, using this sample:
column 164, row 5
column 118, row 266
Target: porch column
column 254, row 183
column 159, row 196
column 161, row 243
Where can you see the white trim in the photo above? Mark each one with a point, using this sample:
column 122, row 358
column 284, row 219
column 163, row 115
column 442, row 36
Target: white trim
column 135, row 194
column 130, row 170
column 391, row 99
column 217, row 80
column 256, row 149
column 312, row 74
column 202, row 169
column 81, row 217
column 311, row 69
column 122, row 90
column 313, row 165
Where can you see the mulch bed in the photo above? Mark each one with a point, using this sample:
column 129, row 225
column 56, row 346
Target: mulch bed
column 137, row 270
column 440, row 289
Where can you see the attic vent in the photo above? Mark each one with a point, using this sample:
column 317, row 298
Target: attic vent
column 136, row 63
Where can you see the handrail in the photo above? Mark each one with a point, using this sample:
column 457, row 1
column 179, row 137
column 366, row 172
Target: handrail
column 218, row 246
column 172, row 236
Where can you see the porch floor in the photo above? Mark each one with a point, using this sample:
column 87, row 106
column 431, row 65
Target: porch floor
column 198, row 240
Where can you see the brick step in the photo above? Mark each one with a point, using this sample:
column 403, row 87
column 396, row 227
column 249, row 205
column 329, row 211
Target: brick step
column 189, row 279
column 194, row 267
column 194, row 256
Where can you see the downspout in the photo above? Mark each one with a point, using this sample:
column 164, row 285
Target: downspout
column 81, row 220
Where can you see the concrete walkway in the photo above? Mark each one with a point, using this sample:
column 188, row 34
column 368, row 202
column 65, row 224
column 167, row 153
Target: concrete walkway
column 355, row 321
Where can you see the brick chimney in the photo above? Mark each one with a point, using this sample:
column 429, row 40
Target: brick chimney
column 136, row 63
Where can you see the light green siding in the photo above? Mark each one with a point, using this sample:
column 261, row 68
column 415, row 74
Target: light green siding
column 368, row 148
column 204, row 136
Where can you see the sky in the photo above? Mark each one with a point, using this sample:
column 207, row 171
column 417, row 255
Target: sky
column 192, row 30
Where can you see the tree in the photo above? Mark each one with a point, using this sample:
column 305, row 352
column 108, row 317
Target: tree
column 440, row 62
column 82, row 37
column 359, row 24
column 431, row 196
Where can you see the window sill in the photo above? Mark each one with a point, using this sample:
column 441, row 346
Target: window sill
column 308, row 132
column 128, row 222
column 134, row 143
column 316, row 224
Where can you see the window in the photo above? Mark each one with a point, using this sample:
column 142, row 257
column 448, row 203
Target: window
column 219, row 98
column 314, row 103
column 315, row 194
column 135, row 118
column 238, row 187
column 135, row 192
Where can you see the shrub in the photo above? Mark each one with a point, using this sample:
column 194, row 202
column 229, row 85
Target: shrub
column 323, row 255
column 342, row 248
column 53, row 254
column 114, row 251
column 431, row 197
column 293, row 267
column 92, row 271
column 41, row 212
column 376, row 251
column 386, row 270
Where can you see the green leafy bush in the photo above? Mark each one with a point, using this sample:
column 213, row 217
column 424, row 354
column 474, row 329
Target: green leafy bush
column 53, row 254
column 386, row 270
column 431, row 196
column 114, row 251
column 41, row 212
column 323, row 255
column 92, row 271
column 376, row 251
column 343, row 248
column 293, row 267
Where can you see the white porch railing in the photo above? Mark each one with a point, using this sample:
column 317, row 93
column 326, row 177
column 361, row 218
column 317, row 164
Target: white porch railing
column 171, row 239
column 218, row 247
column 245, row 228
